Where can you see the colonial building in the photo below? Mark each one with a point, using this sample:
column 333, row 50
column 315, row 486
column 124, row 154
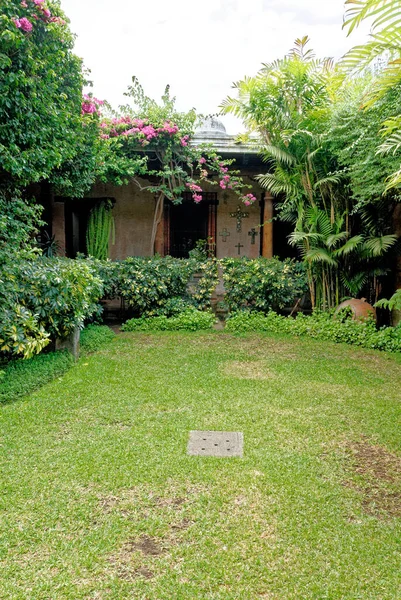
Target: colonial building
column 232, row 228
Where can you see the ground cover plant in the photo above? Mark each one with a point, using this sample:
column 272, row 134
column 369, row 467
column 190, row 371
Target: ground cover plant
column 189, row 319
column 20, row 377
column 320, row 325
column 100, row 500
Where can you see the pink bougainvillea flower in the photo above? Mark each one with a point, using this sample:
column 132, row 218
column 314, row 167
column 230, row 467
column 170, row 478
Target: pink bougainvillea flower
column 46, row 12
column 193, row 187
column 88, row 107
column 149, row 131
column 57, row 20
column 24, row 4
column 222, row 185
column 249, row 199
column 38, row 2
column 25, row 24
column 184, row 140
column 131, row 131
column 197, row 198
column 17, row 23
column 202, row 160
column 104, row 136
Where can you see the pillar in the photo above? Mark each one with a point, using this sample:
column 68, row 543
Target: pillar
column 267, row 231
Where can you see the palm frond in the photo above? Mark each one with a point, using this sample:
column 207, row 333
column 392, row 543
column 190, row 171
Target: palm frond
column 301, row 237
column 333, row 239
column 377, row 246
column 384, row 13
column 391, row 145
column 350, row 245
column 334, row 179
column 320, row 255
column 355, row 283
column 276, row 186
column 270, row 151
column 394, row 181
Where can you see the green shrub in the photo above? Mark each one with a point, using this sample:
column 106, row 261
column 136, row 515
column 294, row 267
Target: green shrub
column 190, row 319
column 157, row 286
column 21, row 377
column 322, row 326
column 93, row 337
column 262, row 284
column 49, row 298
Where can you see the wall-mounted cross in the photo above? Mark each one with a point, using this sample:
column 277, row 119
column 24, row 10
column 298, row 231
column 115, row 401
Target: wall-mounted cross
column 239, row 246
column 225, row 234
column 239, row 215
column 253, row 233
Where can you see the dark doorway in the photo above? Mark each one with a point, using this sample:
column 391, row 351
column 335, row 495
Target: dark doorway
column 281, row 248
column 76, row 222
column 189, row 223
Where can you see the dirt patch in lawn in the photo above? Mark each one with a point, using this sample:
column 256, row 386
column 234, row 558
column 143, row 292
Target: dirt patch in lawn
column 378, row 480
column 147, row 545
column 126, row 564
column 247, row 370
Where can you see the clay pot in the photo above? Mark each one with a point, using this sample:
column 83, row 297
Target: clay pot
column 360, row 308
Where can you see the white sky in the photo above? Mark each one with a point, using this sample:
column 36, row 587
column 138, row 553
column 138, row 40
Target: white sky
column 199, row 48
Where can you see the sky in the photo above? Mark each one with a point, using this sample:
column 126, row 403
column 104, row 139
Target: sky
column 198, row 48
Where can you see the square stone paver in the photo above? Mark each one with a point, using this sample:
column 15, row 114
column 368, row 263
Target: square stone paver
column 216, row 443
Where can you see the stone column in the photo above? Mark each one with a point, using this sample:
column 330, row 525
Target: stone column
column 267, row 231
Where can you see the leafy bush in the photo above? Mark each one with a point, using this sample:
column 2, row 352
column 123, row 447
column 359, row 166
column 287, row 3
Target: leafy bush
column 190, row 319
column 322, row 326
column 262, row 284
column 158, row 286
column 93, row 337
column 49, row 297
column 21, row 377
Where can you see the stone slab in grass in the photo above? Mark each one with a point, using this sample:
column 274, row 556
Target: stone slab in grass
column 216, row 443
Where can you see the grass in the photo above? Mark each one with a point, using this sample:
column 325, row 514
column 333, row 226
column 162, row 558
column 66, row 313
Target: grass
column 100, row 500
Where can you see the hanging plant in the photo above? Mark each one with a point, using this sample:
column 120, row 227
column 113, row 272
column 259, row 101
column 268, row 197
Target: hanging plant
column 100, row 227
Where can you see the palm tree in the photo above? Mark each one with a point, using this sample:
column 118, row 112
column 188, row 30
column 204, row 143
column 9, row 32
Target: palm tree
column 337, row 264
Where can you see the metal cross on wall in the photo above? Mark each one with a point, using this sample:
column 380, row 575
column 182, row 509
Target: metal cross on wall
column 239, row 246
column 253, row 233
column 225, row 234
column 239, row 215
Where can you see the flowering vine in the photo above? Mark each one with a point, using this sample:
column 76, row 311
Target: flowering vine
column 35, row 10
column 203, row 164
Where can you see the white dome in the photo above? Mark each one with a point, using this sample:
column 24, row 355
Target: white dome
column 211, row 127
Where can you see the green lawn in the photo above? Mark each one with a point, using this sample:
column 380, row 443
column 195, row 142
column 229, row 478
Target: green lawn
column 98, row 498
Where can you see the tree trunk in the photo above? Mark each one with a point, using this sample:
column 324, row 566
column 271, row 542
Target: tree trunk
column 156, row 220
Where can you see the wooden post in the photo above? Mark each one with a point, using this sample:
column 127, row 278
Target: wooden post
column 267, row 243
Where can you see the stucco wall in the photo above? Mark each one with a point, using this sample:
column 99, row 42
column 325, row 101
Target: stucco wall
column 133, row 215
column 229, row 203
